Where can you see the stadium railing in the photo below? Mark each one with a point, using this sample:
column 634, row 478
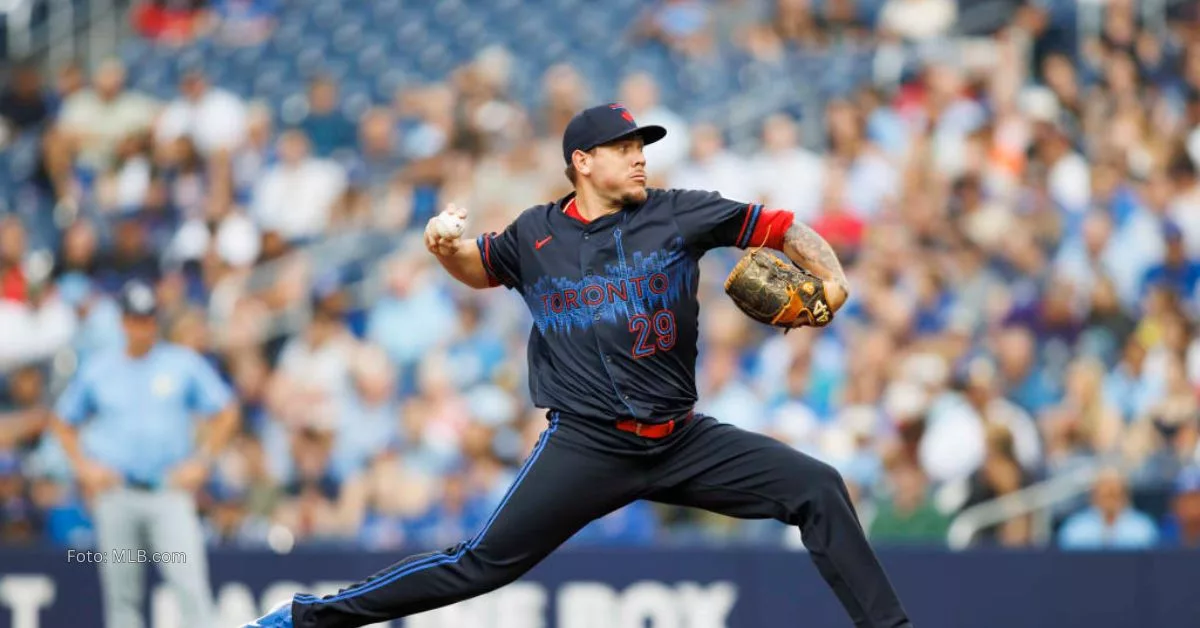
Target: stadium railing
column 351, row 259
column 1037, row 500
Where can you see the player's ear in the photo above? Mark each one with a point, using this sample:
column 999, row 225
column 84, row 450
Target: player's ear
column 582, row 161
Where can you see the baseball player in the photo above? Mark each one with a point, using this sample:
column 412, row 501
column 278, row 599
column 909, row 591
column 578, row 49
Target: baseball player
column 610, row 274
column 126, row 422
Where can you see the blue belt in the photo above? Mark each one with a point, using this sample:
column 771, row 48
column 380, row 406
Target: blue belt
column 141, row 485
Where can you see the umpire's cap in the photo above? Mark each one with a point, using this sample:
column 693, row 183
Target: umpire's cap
column 603, row 124
column 138, row 299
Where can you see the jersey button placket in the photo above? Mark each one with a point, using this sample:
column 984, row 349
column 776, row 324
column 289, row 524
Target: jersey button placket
column 587, row 272
column 586, row 257
column 589, row 254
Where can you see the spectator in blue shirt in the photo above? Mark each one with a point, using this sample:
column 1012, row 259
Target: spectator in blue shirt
column 460, row 514
column 476, row 351
column 1025, row 380
column 413, row 317
column 1183, row 525
column 1176, row 273
column 126, row 422
column 327, row 128
column 1130, row 386
column 1111, row 522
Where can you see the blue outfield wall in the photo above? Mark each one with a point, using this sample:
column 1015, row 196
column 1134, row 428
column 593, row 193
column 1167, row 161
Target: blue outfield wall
column 621, row 588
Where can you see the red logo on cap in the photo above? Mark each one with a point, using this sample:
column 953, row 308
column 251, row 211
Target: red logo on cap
column 624, row 112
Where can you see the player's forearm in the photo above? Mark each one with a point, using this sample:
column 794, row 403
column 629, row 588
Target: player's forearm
column 466, row 265
column 224, row 425
column 810, row 251
column 68, row 437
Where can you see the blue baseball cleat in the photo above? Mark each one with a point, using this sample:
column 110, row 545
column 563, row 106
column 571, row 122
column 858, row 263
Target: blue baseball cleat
column 279, row 617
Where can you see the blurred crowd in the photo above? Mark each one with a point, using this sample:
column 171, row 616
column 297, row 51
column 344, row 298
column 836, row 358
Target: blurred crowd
column 1021, row 228
column 229, row 22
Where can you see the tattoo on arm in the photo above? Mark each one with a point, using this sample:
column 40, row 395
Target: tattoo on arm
column 810, row 251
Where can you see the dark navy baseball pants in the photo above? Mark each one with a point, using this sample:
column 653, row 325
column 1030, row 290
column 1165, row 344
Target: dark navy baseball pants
column 581, row 470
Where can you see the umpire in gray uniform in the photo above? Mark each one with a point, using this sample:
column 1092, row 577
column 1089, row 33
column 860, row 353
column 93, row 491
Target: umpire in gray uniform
column 128, row 422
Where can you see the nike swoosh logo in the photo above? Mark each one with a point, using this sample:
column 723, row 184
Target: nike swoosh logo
column 540, row 243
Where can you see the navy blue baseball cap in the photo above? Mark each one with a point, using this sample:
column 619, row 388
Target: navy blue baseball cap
column 603, row 124
column 138, row 299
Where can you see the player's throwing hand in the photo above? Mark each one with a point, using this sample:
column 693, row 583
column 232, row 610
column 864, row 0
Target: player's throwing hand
column 443, row 231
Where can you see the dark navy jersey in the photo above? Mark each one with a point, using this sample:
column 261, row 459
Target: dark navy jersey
column 615, row 316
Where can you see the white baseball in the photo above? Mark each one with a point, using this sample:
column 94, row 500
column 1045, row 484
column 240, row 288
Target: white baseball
column 449, row 226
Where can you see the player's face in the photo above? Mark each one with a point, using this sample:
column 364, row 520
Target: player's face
column 619, row 171
column 140, row 332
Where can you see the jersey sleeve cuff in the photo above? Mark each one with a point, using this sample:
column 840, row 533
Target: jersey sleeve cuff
column 485, row 253
column 771, row 228
column 765, row 228
column 748, row 224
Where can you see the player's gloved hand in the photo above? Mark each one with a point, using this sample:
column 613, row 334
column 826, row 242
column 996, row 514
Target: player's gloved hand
column 438, row 243
column 778, row 293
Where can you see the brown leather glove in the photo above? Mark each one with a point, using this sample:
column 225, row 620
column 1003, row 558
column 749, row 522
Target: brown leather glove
column 778, row 293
